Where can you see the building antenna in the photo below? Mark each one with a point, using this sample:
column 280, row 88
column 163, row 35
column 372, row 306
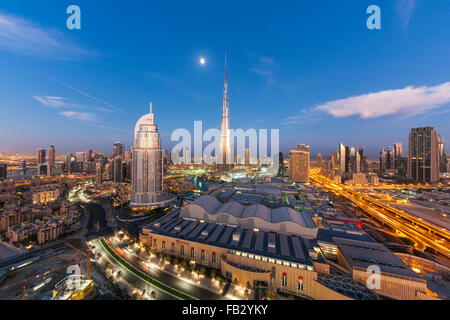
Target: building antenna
column 151, row 107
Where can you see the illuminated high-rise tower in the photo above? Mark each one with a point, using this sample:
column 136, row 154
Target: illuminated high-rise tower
column 147, row 171
column 51, row 155
column 225, row 149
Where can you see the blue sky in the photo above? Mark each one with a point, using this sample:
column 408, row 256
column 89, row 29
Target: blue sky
column 310, row 68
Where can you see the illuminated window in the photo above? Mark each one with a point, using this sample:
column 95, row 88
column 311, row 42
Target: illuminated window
column 284, row 280
column 182, row 250
column 213, row 257
column 203, row 255
column 271, row 260
column 154, row 243
column 172, row 248
column 251, row 256
column 264, row 259
column 244, row 254
column 192, row 252
column 257, row 258
column 300, row 283
column 164, row 245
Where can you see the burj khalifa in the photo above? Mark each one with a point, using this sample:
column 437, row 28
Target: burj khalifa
column 225, row 150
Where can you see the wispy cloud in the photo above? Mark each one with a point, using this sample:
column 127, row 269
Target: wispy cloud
column 53, row 102
column 23, row 36
column 264, row 67
column 409, row 101
column 109, row 105
column 405, row 10
column 82, row 116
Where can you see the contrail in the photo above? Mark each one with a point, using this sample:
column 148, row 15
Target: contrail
column 84, row 93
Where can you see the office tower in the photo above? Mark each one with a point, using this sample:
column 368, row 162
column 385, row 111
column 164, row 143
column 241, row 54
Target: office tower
column 40, row 156
column 69, row 163
column 88, row 155
column 98, row 172
column 423, row 155
column 44, row 169
column 118, row 170
column 280, row 165
column 402, row 166
column 117, row 149
column 147, row 171
column 398, row 152
column 3, row 171
column 109, row 169
column 299, row 163
column 80, row 156
column 387, row 160
column 330, row 163
column 357, row 163
column 51, row 155
column 361, row 159
column 442, row 157
column 319, row 161
column 247, row 156
column 225, row 149
column 342, row 161
column 187, row 156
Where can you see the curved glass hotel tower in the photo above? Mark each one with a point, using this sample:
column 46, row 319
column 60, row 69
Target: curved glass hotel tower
column 147, row 168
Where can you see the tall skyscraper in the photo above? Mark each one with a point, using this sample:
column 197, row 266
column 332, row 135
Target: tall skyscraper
column 69, row 161
column 319, row 161
column 247, row 156
column 361, row 159
column 3, row 171
column 51, row 155
column 299, row 163
column 442, row 157
column 40, row 156
column 99, row 172
column 280, row 165
column 341, row 153
column 225, row 150
column 423, row 155
column 147, row 171
column 118, row 149
column 118, row 169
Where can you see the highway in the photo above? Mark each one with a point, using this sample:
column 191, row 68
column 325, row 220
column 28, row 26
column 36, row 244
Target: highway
column 421, row 232
column 173, row 283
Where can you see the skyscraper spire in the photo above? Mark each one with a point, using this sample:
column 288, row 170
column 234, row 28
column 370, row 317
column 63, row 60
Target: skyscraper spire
column 225, row 125
column 151, row 107
column 226, row 76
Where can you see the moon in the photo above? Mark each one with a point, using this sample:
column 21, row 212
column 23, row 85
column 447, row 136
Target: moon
column 202, row 61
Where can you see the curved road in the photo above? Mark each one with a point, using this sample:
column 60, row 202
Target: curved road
column 174, row 282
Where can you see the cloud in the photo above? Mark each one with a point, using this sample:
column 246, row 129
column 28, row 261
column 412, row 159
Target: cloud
column 405, row 10
column 82, row 116
column 22, row 36
column 53, row 102
column 409, row 101
column 264, row 67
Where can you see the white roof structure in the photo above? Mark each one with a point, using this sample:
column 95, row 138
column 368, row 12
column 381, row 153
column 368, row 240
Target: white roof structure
column 283, row 220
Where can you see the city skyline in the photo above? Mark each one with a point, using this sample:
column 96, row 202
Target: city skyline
column 296, row 84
